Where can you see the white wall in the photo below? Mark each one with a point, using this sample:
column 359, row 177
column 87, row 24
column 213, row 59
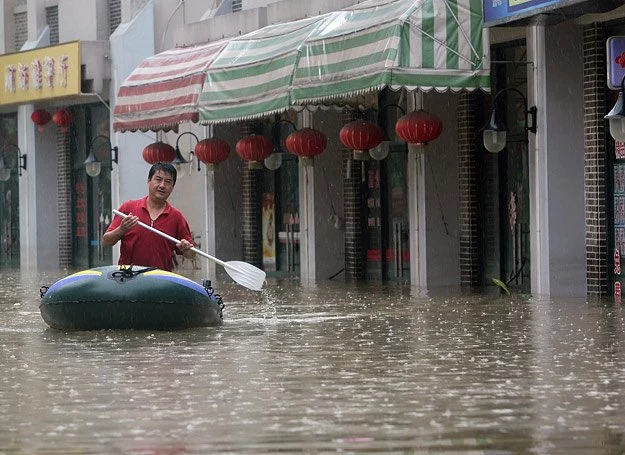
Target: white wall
column 131, row 43
column 565, row 155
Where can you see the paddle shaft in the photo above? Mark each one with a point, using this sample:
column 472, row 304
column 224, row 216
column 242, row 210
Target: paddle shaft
column 173, row 239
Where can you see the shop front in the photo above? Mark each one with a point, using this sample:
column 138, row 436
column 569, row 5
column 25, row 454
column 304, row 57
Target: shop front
column 52, row 213
column 322, row 73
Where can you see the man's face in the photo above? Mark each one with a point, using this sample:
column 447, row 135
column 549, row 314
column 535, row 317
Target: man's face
column 160, row 185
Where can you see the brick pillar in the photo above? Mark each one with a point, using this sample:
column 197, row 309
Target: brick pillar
column 353, row 211
column 467, row 210
column 64, row 179
column 595, row 81
column 251, row 232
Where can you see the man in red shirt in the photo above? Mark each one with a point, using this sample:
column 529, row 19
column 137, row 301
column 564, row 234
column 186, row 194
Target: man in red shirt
column 141, row 246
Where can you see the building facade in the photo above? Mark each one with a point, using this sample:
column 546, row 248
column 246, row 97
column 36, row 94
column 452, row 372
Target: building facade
column 538, row 215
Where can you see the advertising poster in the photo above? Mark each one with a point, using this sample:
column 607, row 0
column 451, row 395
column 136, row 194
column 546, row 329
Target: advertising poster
column 269, row 231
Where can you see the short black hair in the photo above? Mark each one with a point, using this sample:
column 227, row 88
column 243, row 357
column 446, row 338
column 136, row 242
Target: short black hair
column 165, row 167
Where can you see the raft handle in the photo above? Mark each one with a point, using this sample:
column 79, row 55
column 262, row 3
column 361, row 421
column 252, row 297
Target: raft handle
column 43, row 290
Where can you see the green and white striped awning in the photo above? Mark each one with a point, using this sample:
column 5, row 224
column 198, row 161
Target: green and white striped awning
column 411, row 44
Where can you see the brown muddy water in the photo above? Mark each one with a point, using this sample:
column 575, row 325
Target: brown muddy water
column 337, row 368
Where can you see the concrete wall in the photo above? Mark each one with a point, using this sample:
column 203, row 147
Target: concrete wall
column 565, row 155
column 441, row 194
column 93, row 23
column 172, row 31
column 330, row 240
column 131, row 43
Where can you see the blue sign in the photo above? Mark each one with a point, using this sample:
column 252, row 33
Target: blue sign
column 616, row 61
column 505, row 10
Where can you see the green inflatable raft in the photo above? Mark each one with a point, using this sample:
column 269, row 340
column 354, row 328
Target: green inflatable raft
column 129, row 297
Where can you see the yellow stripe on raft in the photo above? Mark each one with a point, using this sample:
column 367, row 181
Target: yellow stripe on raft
column 86, row 272
column 165, row 273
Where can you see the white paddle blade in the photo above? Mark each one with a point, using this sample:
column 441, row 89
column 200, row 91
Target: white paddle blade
column 246, row 274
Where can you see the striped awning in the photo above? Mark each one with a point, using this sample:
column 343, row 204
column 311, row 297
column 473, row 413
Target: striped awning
column 411, row 44
column 164, row 89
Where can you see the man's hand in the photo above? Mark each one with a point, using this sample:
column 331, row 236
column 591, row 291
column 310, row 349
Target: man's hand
column 185, row 248
column 128, row 223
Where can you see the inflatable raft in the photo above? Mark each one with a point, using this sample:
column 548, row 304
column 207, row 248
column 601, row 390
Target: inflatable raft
column 129, row 297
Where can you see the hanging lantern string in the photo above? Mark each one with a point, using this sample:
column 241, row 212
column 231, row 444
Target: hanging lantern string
column 325, row 179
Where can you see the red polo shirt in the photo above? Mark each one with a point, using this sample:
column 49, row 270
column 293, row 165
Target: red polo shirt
column 140, row 246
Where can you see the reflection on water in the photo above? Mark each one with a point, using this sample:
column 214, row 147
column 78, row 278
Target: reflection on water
column 336, row 368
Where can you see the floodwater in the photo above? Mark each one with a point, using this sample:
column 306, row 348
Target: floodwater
column 339, row 368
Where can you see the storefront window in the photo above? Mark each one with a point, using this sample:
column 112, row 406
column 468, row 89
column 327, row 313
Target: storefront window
column 9, row 192
column 91, row 196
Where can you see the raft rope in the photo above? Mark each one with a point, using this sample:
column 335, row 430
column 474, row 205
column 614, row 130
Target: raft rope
column 211, row 292
column 127, row 273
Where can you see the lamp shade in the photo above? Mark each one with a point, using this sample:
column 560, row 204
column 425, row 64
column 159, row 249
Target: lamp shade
column 360, row 136
column 273, row 161
column 159, row 151
column 212, row 151
column 616, row 119
column 63, row 119
column 494, row 135
column 254, row 148
column 40, row 117
column 419, row 127
column 93, row 166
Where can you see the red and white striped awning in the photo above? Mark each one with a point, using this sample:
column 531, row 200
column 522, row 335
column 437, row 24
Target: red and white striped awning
column 164, row 89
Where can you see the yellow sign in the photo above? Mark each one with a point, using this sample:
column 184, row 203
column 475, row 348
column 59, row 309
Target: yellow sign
column 39, row 74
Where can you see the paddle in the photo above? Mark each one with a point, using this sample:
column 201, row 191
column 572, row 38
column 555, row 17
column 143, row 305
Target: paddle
column 243, row 273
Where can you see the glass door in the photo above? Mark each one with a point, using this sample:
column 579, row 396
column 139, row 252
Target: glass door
column 386, row 208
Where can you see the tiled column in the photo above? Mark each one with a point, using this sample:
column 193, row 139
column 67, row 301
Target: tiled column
column 352, row 206
column 467, row 210
column 595, row 160
column 250, row 210
column 64, row 178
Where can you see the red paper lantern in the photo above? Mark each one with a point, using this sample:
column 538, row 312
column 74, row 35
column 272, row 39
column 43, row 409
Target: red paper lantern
column 63, row 119
column 306, row 143
column 360, row 136
column 254, row 148
column 419, row 127
column 40, row 117
column 159, row 151
column 212, row 151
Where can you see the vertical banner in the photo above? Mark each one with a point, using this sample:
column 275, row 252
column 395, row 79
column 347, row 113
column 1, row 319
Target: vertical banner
column 269, row 232
column 618, row 231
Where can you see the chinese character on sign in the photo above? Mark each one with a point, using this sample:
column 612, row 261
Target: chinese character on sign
column 619, row 150
column 617, row 292
column 617, row 262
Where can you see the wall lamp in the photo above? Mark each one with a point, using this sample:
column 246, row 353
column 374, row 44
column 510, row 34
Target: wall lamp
column 274, row 161
column 495, row 133
column 179, row 160
column 616, row 116
column 5, row 172
column 93, row 165
column 381, row 151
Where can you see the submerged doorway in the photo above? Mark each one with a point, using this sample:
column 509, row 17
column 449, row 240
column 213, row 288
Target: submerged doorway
column 387, row 235
column 504, row 180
